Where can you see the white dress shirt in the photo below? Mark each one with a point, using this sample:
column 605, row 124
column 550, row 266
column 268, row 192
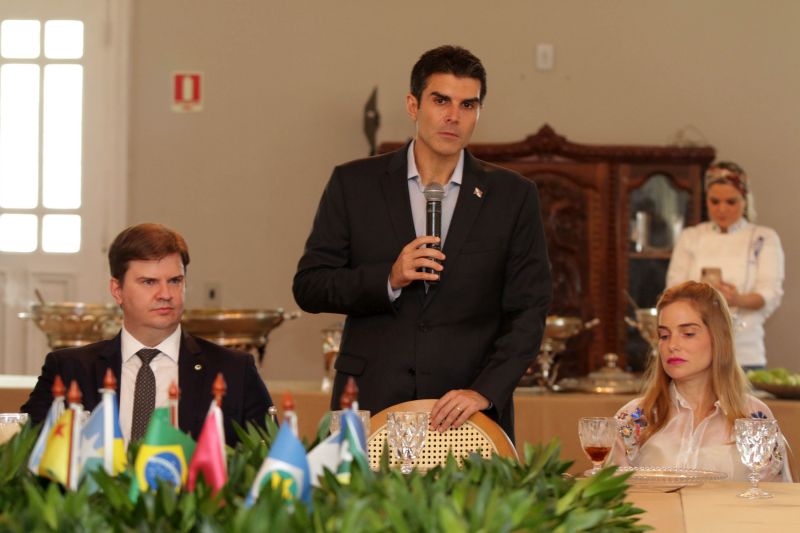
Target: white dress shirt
column 751, row 258
column 709, row 446
column 165, row 368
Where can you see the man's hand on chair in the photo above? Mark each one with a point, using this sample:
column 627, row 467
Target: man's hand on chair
column 455, row 407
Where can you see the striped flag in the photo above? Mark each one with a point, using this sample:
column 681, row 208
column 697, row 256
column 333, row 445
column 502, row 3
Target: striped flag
column 53, row 414
column 338, row 452
column 209, row 454
column 354, row 446
column 60, row 456
column 101, row 438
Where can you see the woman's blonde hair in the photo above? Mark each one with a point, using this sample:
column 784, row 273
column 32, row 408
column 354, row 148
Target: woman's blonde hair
column 728, row 382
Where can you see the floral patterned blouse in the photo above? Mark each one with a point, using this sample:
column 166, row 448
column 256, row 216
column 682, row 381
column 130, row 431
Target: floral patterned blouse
column 709, row 446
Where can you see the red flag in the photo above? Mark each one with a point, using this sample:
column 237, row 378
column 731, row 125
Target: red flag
column 209, row 454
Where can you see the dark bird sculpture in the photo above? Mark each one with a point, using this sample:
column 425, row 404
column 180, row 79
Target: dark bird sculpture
column 372, row 121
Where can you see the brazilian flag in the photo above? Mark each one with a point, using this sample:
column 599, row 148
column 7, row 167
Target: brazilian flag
column 165, row 453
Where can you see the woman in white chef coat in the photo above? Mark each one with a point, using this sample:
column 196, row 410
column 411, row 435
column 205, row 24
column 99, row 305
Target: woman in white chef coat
column 744, row 261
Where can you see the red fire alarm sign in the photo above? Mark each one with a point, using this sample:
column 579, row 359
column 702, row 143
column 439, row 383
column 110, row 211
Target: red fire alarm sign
column 186, row 93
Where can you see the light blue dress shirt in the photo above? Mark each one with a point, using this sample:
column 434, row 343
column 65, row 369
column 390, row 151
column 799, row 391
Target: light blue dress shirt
column 418, row 204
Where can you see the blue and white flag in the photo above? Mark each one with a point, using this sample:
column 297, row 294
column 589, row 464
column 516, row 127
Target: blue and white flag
column 53, row 414
column 337, row 452
column 286, row 467
column 101, row 444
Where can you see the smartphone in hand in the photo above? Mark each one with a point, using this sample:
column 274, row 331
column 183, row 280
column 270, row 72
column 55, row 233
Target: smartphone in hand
column 711, row 275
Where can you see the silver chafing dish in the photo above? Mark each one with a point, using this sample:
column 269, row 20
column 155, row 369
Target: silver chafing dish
column 68, row 324
column 558, row 329
column 608, row 380
column 243, row 329
column 331, row 339
column 647, row 324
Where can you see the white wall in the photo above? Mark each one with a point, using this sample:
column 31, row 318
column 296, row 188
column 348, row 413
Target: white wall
column 287, row 82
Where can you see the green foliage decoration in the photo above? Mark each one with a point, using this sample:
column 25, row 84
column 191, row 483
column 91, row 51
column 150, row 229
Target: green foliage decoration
column 497, row 495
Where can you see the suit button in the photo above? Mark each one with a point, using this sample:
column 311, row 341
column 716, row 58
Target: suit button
column 412, row 371
column 424, row 328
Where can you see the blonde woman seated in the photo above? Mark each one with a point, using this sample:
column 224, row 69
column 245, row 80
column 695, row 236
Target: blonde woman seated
column 693, row 393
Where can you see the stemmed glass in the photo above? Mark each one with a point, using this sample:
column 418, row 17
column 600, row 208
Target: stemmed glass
column 336, row 421
column 597, row 436
column 756, row 439
column 736, row 319
column 10, row 424
column 406, row 432
column 331, row 339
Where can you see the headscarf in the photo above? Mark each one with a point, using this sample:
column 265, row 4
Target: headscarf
column 728, row 172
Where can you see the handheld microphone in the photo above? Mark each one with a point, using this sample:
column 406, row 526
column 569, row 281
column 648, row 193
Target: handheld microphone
column 433, row 218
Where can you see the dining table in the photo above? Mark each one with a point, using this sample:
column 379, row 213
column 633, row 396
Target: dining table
column 539, row 415
column 714, row 506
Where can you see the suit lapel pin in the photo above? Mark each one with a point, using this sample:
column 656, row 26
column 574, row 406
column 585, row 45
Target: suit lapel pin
column 477, row 192
column 198, row 367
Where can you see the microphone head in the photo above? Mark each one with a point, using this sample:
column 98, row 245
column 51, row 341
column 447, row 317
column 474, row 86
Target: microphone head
column 434, row 192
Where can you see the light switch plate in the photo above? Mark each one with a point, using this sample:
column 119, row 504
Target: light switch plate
column 545, row 56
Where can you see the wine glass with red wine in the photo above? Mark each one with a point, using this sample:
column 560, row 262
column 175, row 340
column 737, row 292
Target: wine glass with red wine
column 597, row 436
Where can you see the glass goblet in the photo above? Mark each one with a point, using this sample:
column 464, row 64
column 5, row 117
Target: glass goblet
column 331, row 339
column 10, row 424
column 738, row 322
column 406, row 432
column 755, row 439
column 336, row 421
column 597, row 436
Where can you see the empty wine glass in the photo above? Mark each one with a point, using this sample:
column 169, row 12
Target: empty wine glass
column 10, row 424
column 406, row 432
column 755, row 439
column 597, row 436
column 331, row 339
column 738, row 322
column 336, row 420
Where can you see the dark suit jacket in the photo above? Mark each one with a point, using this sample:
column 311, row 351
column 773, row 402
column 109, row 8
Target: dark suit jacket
column 479, row 328
column 199, row 362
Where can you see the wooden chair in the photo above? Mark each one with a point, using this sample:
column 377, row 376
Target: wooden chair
column 478, row 434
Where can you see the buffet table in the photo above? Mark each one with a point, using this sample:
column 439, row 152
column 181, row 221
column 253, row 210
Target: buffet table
column 714, row 506
column 14, row 391
column 538, row 417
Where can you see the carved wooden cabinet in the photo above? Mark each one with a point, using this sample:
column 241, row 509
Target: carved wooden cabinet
column 591, row 198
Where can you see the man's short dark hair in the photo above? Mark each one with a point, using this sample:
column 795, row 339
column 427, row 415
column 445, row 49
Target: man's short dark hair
column 144, row 242
column 446, row 59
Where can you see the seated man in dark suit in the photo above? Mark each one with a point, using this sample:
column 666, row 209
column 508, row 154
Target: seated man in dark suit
column 148, row 281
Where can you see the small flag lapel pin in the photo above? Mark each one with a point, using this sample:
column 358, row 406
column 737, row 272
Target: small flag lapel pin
column 477, row 192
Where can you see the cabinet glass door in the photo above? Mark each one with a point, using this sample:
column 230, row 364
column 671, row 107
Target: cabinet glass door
column 657, row 213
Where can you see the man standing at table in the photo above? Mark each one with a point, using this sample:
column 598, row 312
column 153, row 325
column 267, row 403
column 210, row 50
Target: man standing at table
column 466, row 333
column 148, row 281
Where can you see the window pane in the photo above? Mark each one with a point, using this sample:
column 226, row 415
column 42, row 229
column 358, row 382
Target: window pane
column 19, row 136
column 63, row 39
column 18, row 233
column 61, row 233
column 19, row 39
column 61, row 149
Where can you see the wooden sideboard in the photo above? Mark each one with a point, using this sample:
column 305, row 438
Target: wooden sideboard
column 585, row 192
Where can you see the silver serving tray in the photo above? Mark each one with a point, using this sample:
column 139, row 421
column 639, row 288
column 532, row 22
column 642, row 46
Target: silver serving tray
column 662, row 478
